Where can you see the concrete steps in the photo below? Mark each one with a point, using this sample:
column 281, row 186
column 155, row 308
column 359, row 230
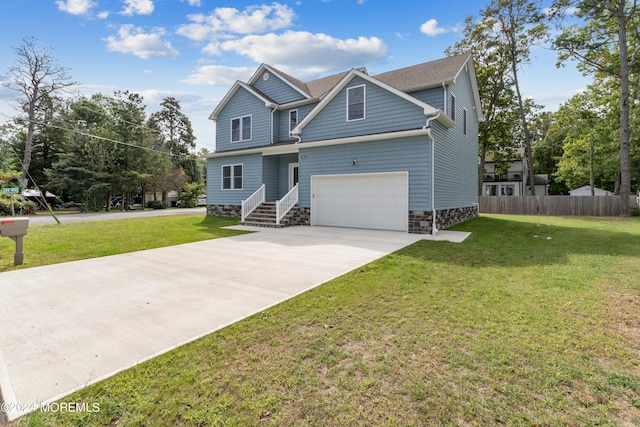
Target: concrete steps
column 263, row 216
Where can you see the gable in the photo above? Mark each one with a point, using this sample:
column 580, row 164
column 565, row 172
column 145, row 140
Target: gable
column 383, row 112
column 243, row 103
column 271, row 82
column 381, row 105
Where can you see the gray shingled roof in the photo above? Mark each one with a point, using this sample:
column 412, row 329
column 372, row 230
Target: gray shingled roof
column 318, row 87
column 426, row 75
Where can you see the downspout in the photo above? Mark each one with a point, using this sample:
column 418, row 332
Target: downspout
column 273, row 111
column 444, row 91
column 427, row 126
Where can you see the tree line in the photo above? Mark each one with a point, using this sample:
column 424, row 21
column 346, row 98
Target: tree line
column 593, row 137
column 94, row 149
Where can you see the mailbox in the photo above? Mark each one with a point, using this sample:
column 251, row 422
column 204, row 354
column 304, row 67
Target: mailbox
column 15, row 228
column 11, row 227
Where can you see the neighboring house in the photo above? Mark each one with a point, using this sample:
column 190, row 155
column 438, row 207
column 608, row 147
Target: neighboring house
column 350, row 149
column 585, row 190
column 513, row 181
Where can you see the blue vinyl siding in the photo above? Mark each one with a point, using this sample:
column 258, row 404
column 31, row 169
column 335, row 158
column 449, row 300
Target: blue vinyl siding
column 283, row 121
column 283, row 175
column 456, row 154
column 270, row 177
column 385, row 112
column 433, row 97
column 402, row 154
column 251, row 179
column 278, row 90
column 243, row 103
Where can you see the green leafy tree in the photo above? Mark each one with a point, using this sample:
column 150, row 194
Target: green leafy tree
column 496, row 133
column 521, row 24
column 177, row 132
column 190, row 193
column 607, row 45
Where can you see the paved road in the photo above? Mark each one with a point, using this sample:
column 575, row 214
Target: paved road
column 43, row 218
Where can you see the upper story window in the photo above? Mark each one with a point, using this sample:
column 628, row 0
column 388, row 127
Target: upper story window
column 241, row 129
column 293, row 119
column 355, row 103
column 464, row 121
column 453, row 107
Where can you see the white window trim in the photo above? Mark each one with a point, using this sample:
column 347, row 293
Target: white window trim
column 364, row 102
column 232, row 166
column 291, row 167
column 240, row 120
column 297, row 119
column 452, row 101
column 464, row 121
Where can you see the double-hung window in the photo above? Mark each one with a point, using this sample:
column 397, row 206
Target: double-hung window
column 293, row 119
column 241, row 129
column 453, row 107
column 232, row 177
column 355, row 103
column 464, row 121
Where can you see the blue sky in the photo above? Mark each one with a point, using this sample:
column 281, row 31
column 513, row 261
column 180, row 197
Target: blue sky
column 194, row 50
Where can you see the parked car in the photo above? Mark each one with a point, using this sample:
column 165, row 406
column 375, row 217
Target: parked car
column 202, row 200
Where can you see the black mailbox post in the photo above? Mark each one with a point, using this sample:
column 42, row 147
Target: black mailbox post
column 15, row 229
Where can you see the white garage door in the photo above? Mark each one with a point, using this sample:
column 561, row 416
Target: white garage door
column 376, row 200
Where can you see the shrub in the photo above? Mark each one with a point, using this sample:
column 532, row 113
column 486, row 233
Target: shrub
column 27, row 206
column 156, row 204
column 635, row 210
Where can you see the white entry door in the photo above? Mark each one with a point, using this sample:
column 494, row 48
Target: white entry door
column 370, row 200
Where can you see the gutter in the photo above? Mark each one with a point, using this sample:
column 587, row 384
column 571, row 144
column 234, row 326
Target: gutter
column 427, row 126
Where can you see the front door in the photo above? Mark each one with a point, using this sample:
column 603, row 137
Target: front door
column 293, row 175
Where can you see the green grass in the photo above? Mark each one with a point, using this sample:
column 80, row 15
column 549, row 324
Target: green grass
column 55, row 243
column 505, row 329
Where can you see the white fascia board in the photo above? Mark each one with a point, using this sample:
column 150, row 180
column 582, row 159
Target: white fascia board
column 428, row 109
column 267, row 68
column 237, row 85
column 294, row 148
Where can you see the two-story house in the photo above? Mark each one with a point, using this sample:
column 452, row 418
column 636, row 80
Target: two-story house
column 511, row 177
column 391, row 151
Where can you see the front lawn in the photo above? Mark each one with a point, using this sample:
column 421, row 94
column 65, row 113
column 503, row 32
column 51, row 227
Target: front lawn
column 55, row 243
column 505, row 329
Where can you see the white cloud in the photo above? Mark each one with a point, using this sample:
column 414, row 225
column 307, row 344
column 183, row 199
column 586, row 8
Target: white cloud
column 212, row 49
column 144, row 45
column 193, row 2
column 228, row 20
column 218, row 75
column 137, row 7
column 305, row 54
column 431, row 28
column 75, row 7
column 103, row 15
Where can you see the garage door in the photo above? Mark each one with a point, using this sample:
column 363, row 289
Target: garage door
column 377, row 201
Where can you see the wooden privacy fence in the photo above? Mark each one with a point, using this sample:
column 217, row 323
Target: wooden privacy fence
column 553, row 205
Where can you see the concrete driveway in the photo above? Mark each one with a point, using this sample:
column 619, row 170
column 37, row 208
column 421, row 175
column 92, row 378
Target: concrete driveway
column 65, row 326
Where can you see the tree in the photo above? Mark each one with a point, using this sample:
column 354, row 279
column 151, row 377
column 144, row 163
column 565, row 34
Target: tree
column 496, row 133
column 586, row 123
column 37, row 78
column 521, row 24
column 177, row 132
column 604, row 47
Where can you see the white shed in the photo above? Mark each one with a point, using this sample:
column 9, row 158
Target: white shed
column 585, row 190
